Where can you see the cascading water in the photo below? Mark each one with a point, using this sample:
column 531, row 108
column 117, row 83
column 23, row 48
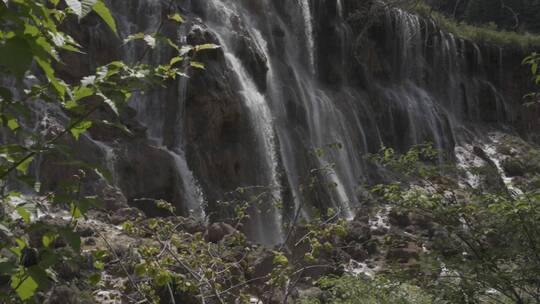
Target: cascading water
column 150, row 110
column 293, row 79
column 306, row 14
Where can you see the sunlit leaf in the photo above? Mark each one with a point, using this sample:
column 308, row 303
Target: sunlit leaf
column 80, row 128
column 176, row 17
column 101, row 9
column 197, row 65
column 24, row 285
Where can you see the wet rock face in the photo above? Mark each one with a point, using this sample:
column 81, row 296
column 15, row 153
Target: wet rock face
column 147, row 172
column 221, row 144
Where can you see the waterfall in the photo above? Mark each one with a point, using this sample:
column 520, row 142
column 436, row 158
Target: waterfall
column 150, row 110
column 308, row 25
column 261, row 118
column 289, row 81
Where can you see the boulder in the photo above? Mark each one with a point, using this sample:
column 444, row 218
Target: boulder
column 146, row 172
column 399, row 219
column 404, row 254
column 513, row 167
column 357, row 252
column 218, row 231
column 358, row 231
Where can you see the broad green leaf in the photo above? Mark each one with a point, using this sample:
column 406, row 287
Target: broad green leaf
column 23, row 167
column 16, row 56
column 101, row 9
column 72, row 238
column 25, row 214
column 82, row 92
column 80, row 128
column 13, row 124
column 60, row 87
column 40, row 276
column 25, row 285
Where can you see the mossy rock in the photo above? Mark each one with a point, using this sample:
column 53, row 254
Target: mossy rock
column 514, row 167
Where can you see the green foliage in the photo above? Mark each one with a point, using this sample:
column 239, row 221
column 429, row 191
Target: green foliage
column 484, row 33
column 32, row 43
column 484, row 247
column 357, row 290
column 517, row 15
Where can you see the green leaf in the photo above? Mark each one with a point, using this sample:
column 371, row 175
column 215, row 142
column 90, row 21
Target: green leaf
column 176, row 18
column 175, row 60
column 48, row 238
column 81, row 8
column 16, row 56
column 49, row 71
column 75, row 211
column 7, row 268
column 13, row 124
column 72, row 238
column 208, row 46
column 82, row 92
column 25, row 214
column 24, row 285
column 87, row 6
column 99, row 265
column 5, row 229
column 23, row 167
column 75, row 6
column 110, row 103
column 101, row 9
column 132, row 37
column 197, row 65
column 39, row 276
column 80, row 128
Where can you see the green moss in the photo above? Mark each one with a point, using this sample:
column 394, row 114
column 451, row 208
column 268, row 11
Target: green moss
column 481, row 34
